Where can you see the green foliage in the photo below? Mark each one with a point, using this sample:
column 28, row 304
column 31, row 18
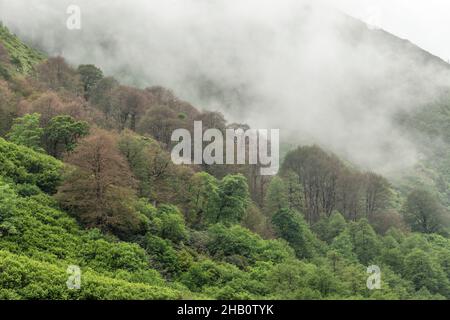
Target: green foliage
column 31, row 225
column 22, row 56
column 365, row 242
column 25, row 278
column 241, row 247
column 423, row 212
column 291, row 226
column 207, row 273
column 299, row 280
column 203, row 198
column 276, row 197
column 159, row 180
column 26, row 131
column 166, row 222
column 23, row 165
column 62, row 133
column 170, row 224
column 330, row 227
column 425, row 273
column 194, row 235
column 163, row 256
column 90, row 76
column 342, row 244
column 233, row 200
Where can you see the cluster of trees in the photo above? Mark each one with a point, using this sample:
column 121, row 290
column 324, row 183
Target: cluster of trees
column 201, row 232
column 221, row 260
column 110, row 173
column 326, row 184
column 319, row 184
column 59, row 136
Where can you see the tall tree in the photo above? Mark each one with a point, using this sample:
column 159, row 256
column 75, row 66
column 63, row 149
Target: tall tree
column 365, row 241
column 291, row 226
column 204, row 197
column 48, row 105
column 350, row 194
column 90, row 76
column 276, row 197
column 62, row 134
column 423, row 212
column 294, row 190
column 129, row 104
column 233, row 200
column 318, row 173
column 99, row 190
column 377, row 193
column 102, row 95
column 159, row 179
column 57, row 75
column 160, row 122
column 424, row 272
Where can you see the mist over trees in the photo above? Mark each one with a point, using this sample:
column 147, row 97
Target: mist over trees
column 328, row 184
column 371, row 75
column 86, row 178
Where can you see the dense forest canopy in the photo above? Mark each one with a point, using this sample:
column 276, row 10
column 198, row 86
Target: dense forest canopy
column 86, row 179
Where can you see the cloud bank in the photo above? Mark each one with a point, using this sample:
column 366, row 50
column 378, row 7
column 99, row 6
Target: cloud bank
column 316, row 74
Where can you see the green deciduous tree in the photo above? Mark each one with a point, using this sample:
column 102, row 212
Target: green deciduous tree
column 366, row 244
column 171, row 224
column 423, row 212
column 276, row 196
column 159, row 180
column 62, row 133
column 330, row 227
column 420, row 268
column 233, row 200
column 291, row 226
column 27, row 132
column 203, row 198
column 90, row 76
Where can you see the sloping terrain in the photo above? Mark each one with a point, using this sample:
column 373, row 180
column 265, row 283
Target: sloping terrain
column 21, row 56
column 140, row 227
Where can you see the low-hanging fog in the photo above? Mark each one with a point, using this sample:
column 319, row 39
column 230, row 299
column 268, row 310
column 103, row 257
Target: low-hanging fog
column 318, row 75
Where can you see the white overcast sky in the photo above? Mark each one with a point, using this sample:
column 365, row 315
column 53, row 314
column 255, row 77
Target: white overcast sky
column 423, row 22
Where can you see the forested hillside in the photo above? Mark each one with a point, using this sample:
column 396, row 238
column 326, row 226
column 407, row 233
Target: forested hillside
column 86, row 179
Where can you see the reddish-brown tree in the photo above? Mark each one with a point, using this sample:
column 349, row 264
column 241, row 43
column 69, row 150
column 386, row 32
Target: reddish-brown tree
column 98, row 188
column 128, row 106
column 160, row 122
column 56, row 74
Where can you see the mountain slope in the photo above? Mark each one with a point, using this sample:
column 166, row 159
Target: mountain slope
column 38, row 242
column 200, row 249
column 22, row 57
